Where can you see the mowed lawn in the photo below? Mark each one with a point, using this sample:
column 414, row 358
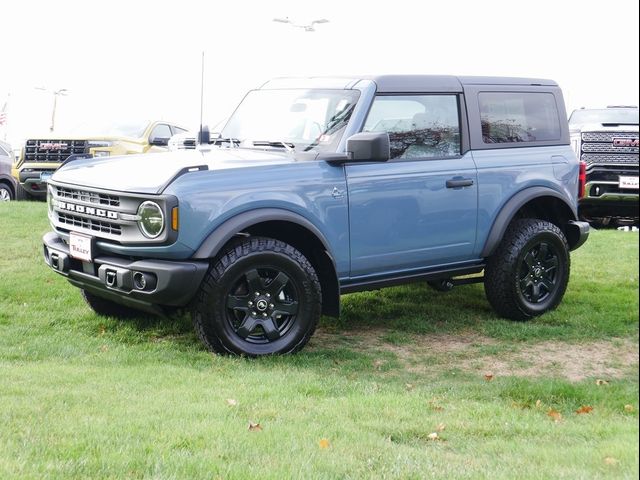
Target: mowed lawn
column 408, row 383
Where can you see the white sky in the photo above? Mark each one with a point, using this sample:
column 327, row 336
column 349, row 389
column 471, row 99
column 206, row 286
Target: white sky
column 139, row 59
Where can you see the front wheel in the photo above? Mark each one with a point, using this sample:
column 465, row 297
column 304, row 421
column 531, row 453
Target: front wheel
column 260, row 297
column 22, row 194
column 529, row 272
column 6, row 194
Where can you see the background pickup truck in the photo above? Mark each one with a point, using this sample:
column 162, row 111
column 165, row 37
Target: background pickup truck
column 41, row 156
column 606, row 140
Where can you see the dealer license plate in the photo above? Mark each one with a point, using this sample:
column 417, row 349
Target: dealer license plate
column 44, row 176
column 80, row 247
column 628, row 182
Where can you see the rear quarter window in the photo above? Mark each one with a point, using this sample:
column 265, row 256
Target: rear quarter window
column 518, row 117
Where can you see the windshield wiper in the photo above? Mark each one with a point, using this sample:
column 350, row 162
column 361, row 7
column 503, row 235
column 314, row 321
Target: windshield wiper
column 234, row 142
column 290, row 147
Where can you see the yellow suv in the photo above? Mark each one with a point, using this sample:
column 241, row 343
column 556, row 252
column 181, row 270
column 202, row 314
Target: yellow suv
column 40, row 157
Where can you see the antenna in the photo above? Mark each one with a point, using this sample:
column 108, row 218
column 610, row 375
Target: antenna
column 201, row 134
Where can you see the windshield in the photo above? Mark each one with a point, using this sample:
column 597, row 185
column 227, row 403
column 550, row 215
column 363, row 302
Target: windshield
column 605, row 115
column 127, row 129
column 301, row 120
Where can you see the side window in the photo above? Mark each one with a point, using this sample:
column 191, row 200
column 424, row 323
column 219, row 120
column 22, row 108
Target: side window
column 161, row 131
column 178, row 130
column 2, row 151
column 419, row 126
column 515, row 117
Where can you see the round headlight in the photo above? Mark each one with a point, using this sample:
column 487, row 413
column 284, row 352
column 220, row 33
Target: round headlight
column 151, row 219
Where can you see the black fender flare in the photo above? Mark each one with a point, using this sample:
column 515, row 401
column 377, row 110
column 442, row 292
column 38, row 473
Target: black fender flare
column 510, row 209
column 234, row 225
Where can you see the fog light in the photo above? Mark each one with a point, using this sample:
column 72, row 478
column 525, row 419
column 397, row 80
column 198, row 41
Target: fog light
column 139, row 281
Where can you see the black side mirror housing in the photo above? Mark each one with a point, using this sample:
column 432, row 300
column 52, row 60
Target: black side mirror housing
column 369, row 147
column 159, row 141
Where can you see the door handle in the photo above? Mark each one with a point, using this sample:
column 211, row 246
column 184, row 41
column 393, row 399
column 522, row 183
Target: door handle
column 459, row 182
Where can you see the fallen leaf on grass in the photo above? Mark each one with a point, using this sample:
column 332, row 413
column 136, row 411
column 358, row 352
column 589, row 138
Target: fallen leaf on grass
column 555, row 415
column 378, row 364
column 104, row 348
column 102, row 330
column 584, row 409
column 601, row 382
column 409, row 386
column 255, row 427
column 440, row 427
column 232, row 402
column 488, row 377
column 324, row 443
column 629, row 408
column 538, row 403
column 433, row 436
column 610, row 461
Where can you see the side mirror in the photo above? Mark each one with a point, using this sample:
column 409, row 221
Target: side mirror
column 159, row 141
column 369, row 147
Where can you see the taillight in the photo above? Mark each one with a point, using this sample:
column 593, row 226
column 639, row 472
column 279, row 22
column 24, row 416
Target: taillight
column 582, row 179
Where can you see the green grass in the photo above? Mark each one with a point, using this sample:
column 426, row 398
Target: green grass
column 89, row 397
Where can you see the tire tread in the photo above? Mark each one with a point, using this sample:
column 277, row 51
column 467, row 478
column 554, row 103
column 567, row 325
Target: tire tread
column 228, row 258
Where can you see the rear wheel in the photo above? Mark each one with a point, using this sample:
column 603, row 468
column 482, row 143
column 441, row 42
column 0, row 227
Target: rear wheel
column 261, row 297
column 529, row 272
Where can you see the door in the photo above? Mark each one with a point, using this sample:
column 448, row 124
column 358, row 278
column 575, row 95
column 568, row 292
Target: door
column 419, row 209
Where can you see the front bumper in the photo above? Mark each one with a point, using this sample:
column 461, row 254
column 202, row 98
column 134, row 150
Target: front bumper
column 604, row 196
column 610, row 205
column 118, row 279
column 31, row 180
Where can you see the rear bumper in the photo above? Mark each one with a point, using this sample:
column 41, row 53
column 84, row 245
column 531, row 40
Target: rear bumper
column 141, row 284
column 577, row 233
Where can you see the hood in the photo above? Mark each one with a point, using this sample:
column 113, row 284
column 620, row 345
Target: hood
column 607, row 127
column 151, row 173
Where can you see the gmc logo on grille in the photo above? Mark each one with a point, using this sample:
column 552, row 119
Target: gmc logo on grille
column 97, row 212
column 625, row 142
column 52, row 146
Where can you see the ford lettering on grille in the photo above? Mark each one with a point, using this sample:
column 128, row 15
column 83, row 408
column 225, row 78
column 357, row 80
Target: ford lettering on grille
column 97, row 212
column 625, row 142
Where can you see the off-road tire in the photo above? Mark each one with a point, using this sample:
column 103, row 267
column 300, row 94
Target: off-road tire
column 107, row 308
column 533, row 254
column 245, row 278
column 22, row 194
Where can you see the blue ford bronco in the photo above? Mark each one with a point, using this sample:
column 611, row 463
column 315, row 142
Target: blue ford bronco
column 317, row 187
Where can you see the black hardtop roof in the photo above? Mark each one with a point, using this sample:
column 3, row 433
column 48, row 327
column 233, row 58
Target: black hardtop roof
column 405, row 83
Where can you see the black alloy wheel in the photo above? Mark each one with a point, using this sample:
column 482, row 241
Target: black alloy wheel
column 262, row 305
column 538, row 272
column 528, row 273
column 260, row 297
